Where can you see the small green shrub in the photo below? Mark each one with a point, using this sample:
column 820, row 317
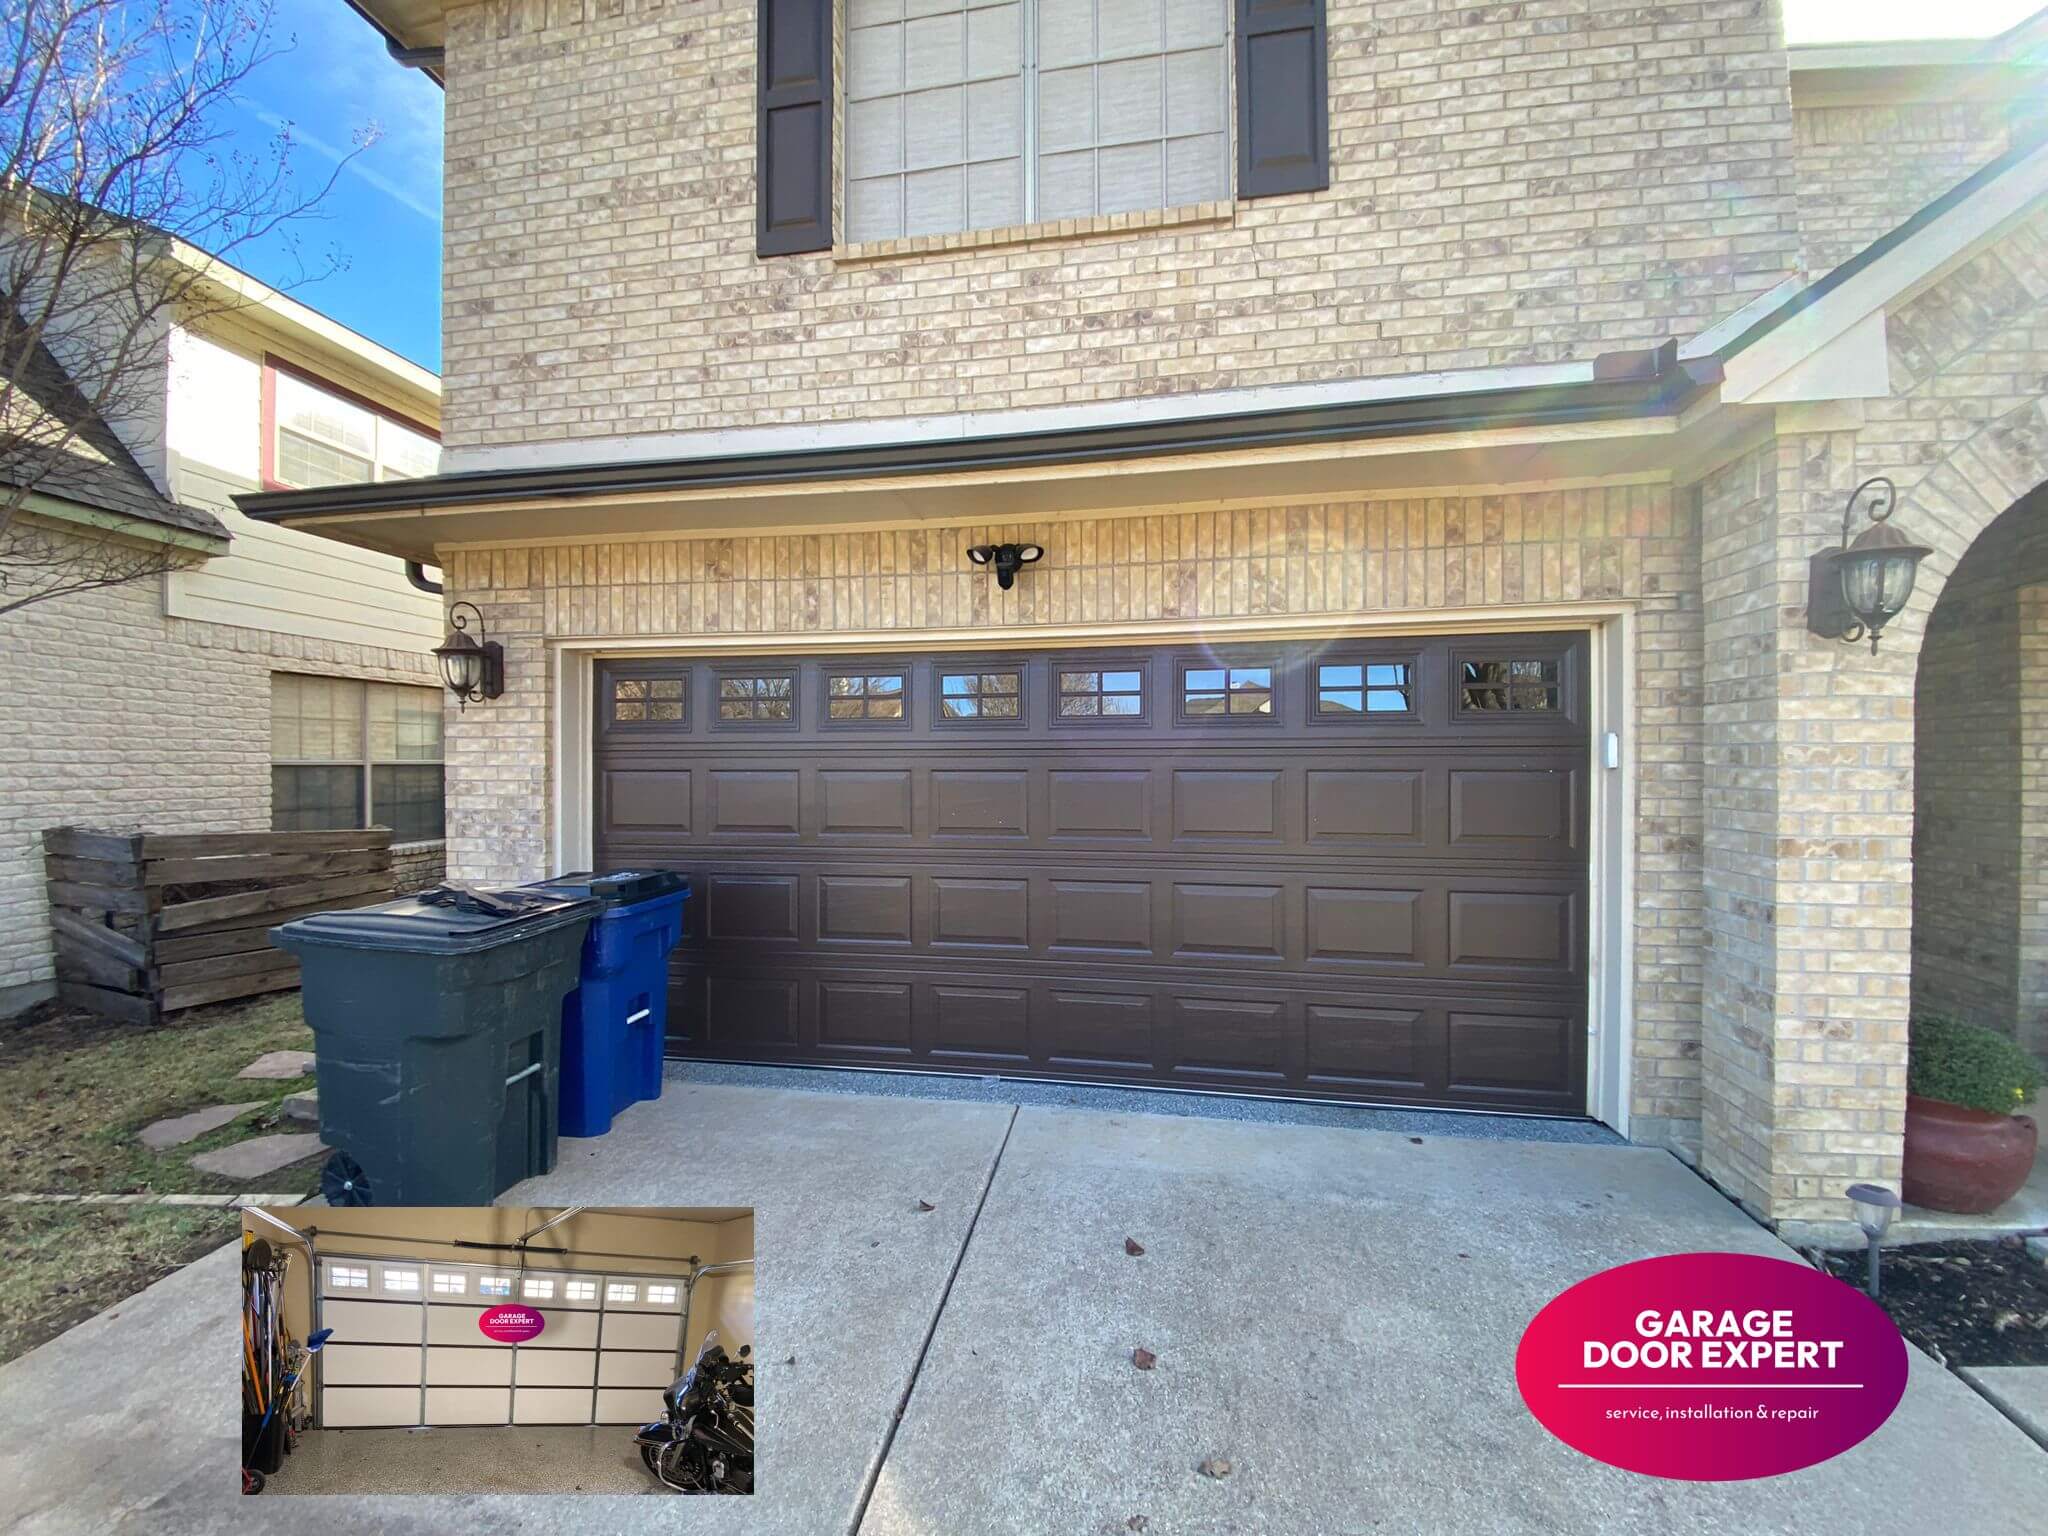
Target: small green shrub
column 1967, row 1064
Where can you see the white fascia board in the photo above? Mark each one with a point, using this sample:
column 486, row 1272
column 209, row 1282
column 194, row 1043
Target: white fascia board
column 1905, row 270
column 1856, row 365
column 963, row 426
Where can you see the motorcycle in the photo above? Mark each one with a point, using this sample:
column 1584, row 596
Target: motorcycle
column 705, row 1444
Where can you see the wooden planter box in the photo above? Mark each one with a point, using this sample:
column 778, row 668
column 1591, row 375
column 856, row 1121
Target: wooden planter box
column 146, row 924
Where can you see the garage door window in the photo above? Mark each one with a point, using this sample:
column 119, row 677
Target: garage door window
column 1509, row 684
column 661, row 1295
column 865, row 696
column 346, row 753
column 450, row 1284
column 1227, row 692
column 580, row 1290
column 617, row 1292
column 494, row 1285
column 981, row 696
column 757, row 699
column 346, row 1277
column 1351, row 688
column 649, row 701
column 1101, row 695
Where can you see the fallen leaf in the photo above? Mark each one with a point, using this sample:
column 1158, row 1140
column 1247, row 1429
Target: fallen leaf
column 1464, row 1255
column 1214, row 1466
column 1415, row 1140
column 1144, row 1359
column 1134, row 1249
column 926, row 1205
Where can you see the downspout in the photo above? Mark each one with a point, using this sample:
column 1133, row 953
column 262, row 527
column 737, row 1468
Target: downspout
column 415, row 58
column 416, row 573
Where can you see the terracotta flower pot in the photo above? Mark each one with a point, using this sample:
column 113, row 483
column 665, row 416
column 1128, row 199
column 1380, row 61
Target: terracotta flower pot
column 1964, row 1160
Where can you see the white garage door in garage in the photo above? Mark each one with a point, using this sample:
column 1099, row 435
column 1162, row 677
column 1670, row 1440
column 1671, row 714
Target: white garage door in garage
column 407, row 1350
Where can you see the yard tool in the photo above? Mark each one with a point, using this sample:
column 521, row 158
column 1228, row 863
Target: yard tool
column 252, row 1481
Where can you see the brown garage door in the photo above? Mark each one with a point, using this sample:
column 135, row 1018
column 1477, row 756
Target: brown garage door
column 1349, row 870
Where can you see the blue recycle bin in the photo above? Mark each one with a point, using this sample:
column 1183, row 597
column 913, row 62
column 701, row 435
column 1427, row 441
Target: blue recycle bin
column 614, row 1023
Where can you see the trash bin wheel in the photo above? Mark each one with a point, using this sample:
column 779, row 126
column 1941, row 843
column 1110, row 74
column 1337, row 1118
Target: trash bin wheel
column 343, row 1181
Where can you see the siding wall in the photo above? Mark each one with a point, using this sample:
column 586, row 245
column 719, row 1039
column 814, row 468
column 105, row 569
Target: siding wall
column 1510, row 184
column 1341, row 561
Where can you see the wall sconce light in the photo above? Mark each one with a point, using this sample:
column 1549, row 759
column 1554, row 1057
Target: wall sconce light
column 473, row 665
column 1008, row 559
column 1859, row 588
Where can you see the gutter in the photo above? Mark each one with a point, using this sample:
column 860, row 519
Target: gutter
column 1641, row 383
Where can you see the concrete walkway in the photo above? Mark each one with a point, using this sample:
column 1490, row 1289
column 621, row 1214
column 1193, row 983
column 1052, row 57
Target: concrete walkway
column 1334, row 1311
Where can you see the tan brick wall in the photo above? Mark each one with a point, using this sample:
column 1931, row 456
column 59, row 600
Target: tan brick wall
column 1511, row 184
column 1864, row 170
column 1347, row 561
column 117, row 716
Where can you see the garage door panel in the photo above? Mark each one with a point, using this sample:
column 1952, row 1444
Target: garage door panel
column 1037, row 888
column 635, row 1405
column 451, row 1366
column 469, row 1405
column 648, row 797
column 369, row 1407
column 370, row 1365
column 372, row 1322
column 555, row 1368
column 553, row 1405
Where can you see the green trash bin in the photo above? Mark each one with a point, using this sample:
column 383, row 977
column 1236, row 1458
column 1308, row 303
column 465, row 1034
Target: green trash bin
column 437, row 1036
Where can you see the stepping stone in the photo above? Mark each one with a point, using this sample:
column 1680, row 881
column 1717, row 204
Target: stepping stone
column 279, row 1064
column 302, row 1107
column 259, row 1155
column 176, row 1132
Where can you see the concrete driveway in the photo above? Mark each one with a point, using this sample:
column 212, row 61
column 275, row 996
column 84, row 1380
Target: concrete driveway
column 1334, row 1311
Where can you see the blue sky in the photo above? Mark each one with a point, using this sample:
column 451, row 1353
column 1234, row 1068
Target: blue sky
column 383, row 218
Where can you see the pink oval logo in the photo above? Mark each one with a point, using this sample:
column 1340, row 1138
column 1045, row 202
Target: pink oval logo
column 510, row 1324
column 1711, row 1367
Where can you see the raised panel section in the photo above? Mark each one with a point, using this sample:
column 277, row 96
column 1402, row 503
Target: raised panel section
column 743, row 1011
column 1094, row 804
column 1357, row 805
column 759, row 802
column 1508, row 930
column 628, row 1405
column 1101, row 916
column 636, row 1368
column 643, row 1330
column 981, row 802
column 1495, row 1051
column 373, row 1322
column 864, row 803
column 869, row 909
column 1230, row 1037
column 555, row 1368
column 744, row 908
column 450, row 1325
column 981, row 912
column 864, row 1016
column 551, row 1405
column 1364, row 927
column 370, row 1365
column 469, row 1405
column 452, row 1367
column 565, row 1330
column 369, row 1407
column 1226, row 804
column 1532, row 809
column 1099, row 1029
column 988, row 1024
column 1246, row 921
column 1365, row 1047
column 637, row 798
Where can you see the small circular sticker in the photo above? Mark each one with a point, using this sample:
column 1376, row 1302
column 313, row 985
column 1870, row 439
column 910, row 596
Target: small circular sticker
column 1711, row 1367
column 511, row 1325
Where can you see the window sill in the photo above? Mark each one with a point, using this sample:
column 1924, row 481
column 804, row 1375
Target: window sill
column 973, row 240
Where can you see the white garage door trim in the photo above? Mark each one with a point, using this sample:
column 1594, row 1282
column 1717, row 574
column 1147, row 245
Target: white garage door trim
column 1611, row 715
column 406, row 1350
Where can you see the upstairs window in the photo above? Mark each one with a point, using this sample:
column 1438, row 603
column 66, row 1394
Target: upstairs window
column 314, row 434
column 984, row 114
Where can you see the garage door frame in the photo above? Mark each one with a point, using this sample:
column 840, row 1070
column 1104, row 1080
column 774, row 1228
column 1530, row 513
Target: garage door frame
column 1610, row 695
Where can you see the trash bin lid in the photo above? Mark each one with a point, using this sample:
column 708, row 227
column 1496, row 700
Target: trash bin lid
column 621, row 887
column 448, row 920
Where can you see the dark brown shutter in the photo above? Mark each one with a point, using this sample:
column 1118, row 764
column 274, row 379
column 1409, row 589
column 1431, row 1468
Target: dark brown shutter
column 793, row 128
column 1283, row 97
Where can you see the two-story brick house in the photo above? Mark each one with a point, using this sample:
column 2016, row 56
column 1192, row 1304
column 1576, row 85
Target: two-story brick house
column 1424, row 415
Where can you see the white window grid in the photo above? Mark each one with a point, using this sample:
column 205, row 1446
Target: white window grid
column 979, row 114
column 349, row 1277
column 332, row 440
column 661, row 1295
column 345, row 722
column 494, row 1285
column 450, row 1283
column 579, row 1290
column 619, row 1290
column 403, row 1280
column 537, row 1288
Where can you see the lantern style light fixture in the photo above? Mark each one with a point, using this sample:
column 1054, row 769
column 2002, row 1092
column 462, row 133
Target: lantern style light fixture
column 1875, row 1206
column 1007, row 559
column 1859, row 588
column 472, row 665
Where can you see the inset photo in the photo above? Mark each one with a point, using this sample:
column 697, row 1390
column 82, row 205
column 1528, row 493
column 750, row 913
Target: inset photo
column 497, row 1349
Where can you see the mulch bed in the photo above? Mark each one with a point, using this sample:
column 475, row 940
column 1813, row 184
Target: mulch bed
column 1979, row 1303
